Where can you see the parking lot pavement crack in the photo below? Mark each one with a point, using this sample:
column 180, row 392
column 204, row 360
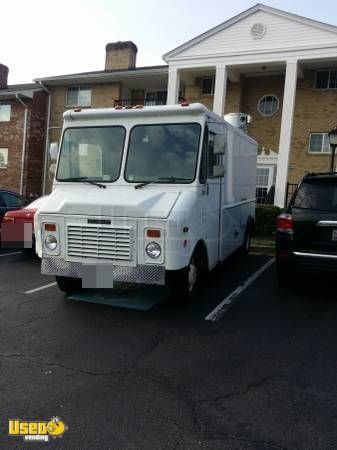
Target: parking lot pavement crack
column 28, row 322
column 245, row 391
column 26, row 358
column 142, row 355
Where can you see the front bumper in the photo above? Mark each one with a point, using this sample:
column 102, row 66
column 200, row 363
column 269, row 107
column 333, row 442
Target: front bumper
column 143, row 274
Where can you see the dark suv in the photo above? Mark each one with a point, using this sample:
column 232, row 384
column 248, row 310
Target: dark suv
column 306, row 234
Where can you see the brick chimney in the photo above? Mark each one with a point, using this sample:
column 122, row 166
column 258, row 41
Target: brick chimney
column 3, row 76
column 120, row 55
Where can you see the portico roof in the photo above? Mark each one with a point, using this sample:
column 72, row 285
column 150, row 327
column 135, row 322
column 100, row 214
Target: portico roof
column 283, row 31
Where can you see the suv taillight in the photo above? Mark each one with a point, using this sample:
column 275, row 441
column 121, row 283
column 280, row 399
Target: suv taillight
column 285, row 223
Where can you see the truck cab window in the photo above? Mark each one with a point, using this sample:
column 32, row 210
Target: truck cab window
column 94, row 153
column 161, row 151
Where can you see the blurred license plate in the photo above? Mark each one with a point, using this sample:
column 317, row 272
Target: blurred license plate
column 334, row 235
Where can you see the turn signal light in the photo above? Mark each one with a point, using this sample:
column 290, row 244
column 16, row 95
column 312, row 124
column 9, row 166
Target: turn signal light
column 285, row 223
column 153, row 233
column 50, row 226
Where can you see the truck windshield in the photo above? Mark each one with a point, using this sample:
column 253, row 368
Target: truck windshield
column 91, row 153
column 163, row 151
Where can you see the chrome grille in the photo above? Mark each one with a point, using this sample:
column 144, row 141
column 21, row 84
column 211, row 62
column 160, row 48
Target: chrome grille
column 99, row 242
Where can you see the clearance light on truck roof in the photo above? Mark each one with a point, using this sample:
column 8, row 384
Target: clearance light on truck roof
column 50, row 226
column 77, row 109
column 118, row 107
column 184, row 104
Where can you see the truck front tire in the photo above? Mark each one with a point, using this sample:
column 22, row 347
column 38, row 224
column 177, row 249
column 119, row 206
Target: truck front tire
column 183, row 283
column 68, row 285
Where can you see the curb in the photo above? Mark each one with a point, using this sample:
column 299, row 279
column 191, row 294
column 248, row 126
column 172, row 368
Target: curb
column 263, row 249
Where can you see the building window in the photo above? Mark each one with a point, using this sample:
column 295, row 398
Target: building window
column 326, row 79
column 268, row 105
column 5, row 112
column 207, row 86
column 79, row 96
column 3, row 158
column 319, row 143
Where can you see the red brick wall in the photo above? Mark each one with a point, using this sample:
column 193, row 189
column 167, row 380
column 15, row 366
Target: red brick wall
column 11, row 136
column 35, row 146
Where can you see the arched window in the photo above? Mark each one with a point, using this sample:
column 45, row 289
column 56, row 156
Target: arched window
column 268, row 105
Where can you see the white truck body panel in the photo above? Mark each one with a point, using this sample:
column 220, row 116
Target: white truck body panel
column 215, row 212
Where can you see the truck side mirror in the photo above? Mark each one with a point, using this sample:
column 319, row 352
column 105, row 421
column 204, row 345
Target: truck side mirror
column 53, row 151
column 219, row 144
column 218, row 171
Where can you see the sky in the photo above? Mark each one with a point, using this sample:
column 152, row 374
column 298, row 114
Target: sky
column 43, row 38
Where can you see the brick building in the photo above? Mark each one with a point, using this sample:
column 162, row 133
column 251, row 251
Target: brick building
column 22, row 134
column 278, row 67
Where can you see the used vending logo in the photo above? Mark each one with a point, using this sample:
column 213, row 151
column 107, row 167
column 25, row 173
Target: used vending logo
column 37, row 430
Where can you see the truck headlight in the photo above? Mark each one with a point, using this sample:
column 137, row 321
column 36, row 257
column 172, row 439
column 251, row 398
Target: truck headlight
column 50, row 242
column 153, row 250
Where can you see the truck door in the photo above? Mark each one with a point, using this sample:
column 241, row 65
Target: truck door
column 211, row 197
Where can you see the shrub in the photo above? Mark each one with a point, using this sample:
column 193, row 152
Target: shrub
column 265, row 219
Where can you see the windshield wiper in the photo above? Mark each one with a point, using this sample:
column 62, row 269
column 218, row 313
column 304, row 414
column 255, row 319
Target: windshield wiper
column 158, row 180
column 85, row 180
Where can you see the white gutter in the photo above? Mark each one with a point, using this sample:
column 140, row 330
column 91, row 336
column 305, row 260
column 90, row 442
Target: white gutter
column 45, row 160
column 23, row 153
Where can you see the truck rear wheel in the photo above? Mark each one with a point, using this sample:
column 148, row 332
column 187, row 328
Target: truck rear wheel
column 68, row 285
column 183, row 283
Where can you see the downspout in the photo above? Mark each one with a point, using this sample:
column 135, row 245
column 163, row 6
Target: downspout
column 45, row 162
column 23, row 153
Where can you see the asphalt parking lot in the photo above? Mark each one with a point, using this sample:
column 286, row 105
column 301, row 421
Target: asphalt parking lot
column 263, row 376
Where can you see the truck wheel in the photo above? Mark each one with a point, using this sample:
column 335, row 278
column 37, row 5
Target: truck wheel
column 247, row 240
column 183, row 283
column 69, row 285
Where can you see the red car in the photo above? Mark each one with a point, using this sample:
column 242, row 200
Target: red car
column 17, row 230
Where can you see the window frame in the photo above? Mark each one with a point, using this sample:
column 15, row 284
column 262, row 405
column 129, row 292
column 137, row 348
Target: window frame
column 328, row 88
column 212, row 87
column 79, row 87
column 260, row 100
column 6, row 166
column 5, row 103
column 310, row 152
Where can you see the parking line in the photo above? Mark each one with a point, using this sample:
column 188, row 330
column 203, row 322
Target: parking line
column 46, row 286
column 12, row 253
column 222, row 307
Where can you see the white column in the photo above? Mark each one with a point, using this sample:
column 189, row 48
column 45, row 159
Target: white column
column 220, row 87
column 173, row 86
column 288, row 108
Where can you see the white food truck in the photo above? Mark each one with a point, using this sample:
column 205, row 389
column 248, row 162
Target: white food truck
column 153, row 194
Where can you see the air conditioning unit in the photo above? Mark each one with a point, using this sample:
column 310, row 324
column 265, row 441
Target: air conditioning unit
column 239, row 120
